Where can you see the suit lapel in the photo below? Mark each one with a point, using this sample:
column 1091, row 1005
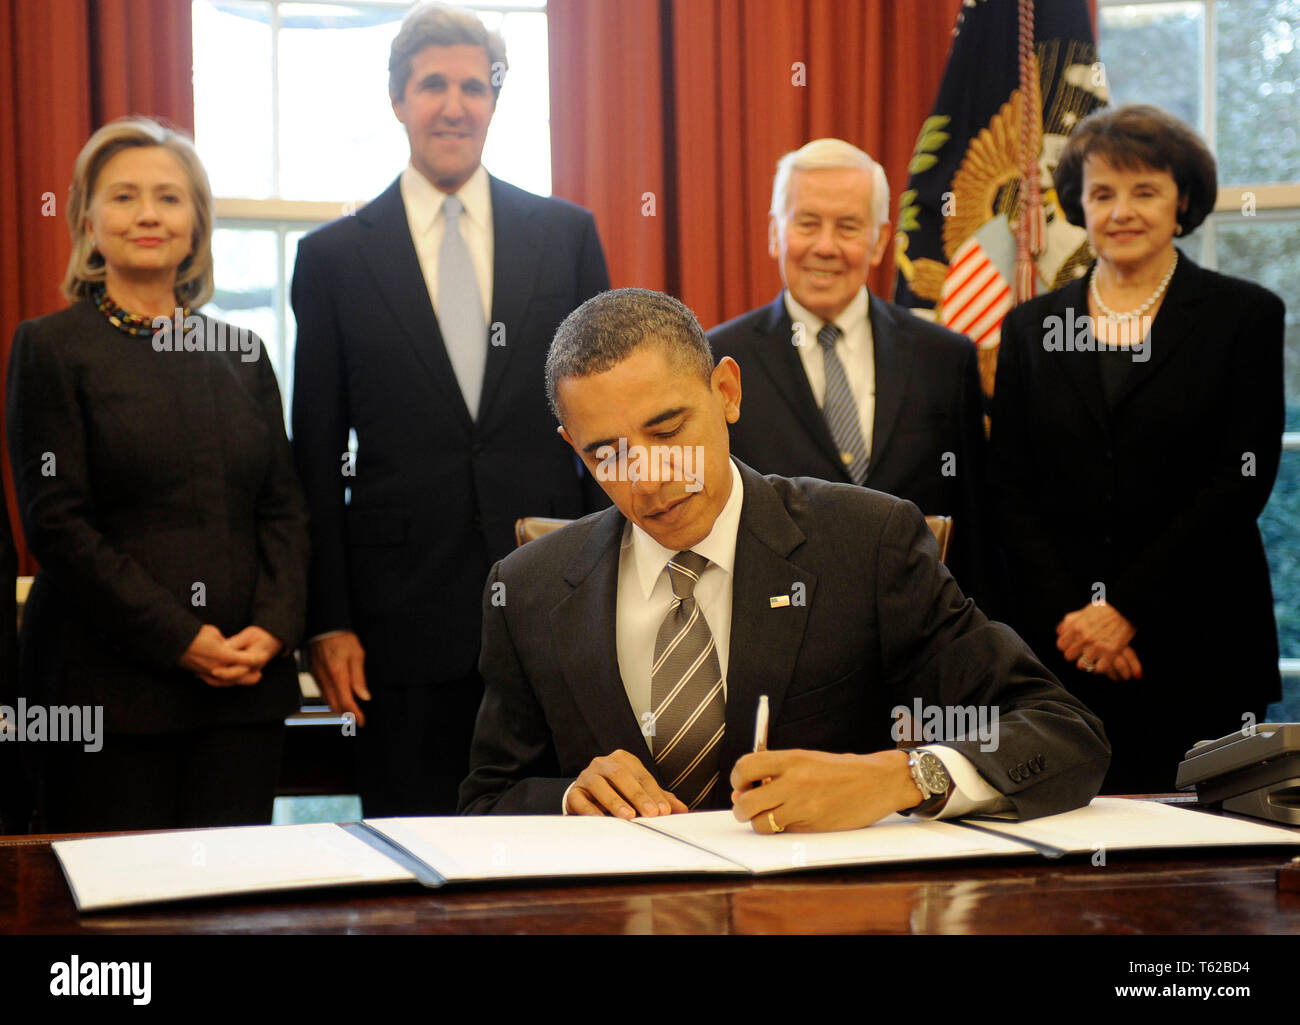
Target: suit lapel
column 778, row 357
column 516, row 250
column 765, row 641
column 584, row 627
column 893, row 360
column 1079, row 366
column 1175, row 321
column 396, row 276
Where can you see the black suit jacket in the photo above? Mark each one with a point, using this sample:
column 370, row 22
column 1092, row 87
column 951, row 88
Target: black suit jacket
column 15, row 796
column 142, row 475
column 435, row 495
column 1157, row 499
column 883, row 623
column 928, row 403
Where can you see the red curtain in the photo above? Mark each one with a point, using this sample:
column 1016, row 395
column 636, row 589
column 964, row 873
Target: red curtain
column 70, row 66
column 691, row 102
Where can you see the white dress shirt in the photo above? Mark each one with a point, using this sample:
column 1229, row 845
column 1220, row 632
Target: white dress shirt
column 645, row 595
column 855, row 348
column 424, row 216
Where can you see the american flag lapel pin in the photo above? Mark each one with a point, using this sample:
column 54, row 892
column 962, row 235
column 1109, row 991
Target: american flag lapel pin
column 779, row 601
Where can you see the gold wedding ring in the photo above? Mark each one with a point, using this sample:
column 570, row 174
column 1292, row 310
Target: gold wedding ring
column 1087, row 665
column 771, row 821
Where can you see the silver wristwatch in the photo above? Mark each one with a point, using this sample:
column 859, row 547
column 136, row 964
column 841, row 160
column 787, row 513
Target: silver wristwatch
column 931, row 778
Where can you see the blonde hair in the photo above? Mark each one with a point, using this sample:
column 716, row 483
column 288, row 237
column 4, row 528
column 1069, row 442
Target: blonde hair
column 194, row 284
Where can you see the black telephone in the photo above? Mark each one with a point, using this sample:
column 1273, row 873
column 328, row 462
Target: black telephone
column 1254, row 771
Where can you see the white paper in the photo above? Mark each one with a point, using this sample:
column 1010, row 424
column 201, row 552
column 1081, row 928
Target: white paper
column 893, row 838
column 538, row 846
column 111, row 871
column 1117, row 824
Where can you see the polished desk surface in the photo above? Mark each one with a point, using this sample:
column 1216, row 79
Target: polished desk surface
column 1233, row 892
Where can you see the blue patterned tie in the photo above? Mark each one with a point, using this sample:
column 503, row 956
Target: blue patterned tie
column 460, row 308
column 840, row 410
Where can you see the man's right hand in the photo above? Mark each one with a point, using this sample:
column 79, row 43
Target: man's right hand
column 338, row 662
column 619, row 784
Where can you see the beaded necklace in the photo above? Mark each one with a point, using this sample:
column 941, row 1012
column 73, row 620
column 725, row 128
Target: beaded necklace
column 131, row 323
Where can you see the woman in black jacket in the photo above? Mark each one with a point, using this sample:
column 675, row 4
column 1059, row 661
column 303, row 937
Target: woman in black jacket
column 1136, row 433
column 158, row 494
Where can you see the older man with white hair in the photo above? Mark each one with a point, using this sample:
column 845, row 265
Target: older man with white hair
column 840, row 384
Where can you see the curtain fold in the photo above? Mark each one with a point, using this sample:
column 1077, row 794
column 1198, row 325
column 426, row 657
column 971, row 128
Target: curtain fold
column 68, row 67
column 709, row 94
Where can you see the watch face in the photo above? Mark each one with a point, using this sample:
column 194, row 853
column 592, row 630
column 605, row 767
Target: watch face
column 933, row 772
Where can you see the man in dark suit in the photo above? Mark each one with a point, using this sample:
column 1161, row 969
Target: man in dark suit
column 844, row 386
column 624, row 655
column 15, row 804
column 423, row 323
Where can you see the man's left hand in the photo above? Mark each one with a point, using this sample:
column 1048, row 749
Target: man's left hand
column 816, row 792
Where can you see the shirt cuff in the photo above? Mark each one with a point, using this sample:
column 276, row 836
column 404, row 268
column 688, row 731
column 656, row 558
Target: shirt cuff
column 970, row 793
column 564, row 801
column 321, row 637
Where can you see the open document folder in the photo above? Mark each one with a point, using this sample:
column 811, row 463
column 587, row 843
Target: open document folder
column 116, row 871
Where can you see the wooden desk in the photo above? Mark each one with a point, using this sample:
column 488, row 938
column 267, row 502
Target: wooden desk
column 1232, row 893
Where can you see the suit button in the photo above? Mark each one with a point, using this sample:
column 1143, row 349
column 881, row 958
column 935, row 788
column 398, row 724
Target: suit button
column 477, row 448
column 1015, row 776
column 1110, row 454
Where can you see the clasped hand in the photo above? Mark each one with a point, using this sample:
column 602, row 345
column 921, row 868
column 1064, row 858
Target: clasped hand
column 221, row 661
column 1098, row 640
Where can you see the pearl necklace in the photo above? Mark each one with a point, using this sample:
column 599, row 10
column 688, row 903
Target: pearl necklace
column 1132, row 314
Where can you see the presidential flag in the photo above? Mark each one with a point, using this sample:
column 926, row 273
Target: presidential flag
column 979, row 226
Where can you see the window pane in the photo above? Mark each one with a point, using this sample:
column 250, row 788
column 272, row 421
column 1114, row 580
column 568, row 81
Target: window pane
column 232, row 95
column 1280, row 525
column 1268, row 252
column 1152, row 54
column 519, row 143
column 1257, row 90
column 338, row 136
column 245, row 261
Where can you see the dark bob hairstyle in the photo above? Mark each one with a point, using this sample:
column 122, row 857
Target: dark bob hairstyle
column 1134, row 137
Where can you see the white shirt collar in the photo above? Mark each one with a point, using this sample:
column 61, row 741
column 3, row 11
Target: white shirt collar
column 854, row 312
column 719, row 547
column 424, row 200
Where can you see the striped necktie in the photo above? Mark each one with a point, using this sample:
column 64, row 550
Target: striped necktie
column 686, row 690
column 840, row 409
column 460, row 308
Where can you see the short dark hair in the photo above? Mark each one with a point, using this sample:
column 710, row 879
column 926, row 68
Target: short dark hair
column 1135, row 136
column 607, row 328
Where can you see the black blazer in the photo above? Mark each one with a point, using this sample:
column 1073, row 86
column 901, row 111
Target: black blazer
column 435, row 495
column 1157, row 499
column 928, row 403
column 883, row 623
column 15, row 797
column 157, row 492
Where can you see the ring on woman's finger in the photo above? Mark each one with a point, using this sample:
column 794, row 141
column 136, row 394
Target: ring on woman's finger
column 771, row 821
column 1087, row 665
